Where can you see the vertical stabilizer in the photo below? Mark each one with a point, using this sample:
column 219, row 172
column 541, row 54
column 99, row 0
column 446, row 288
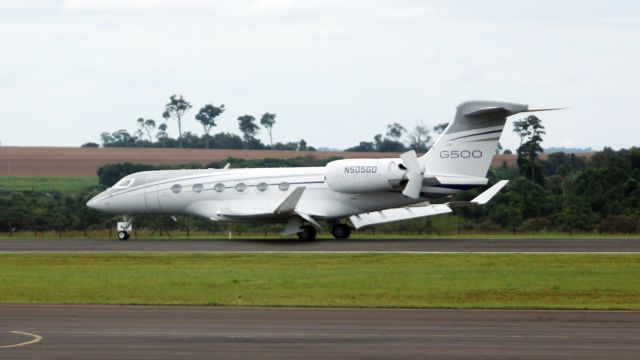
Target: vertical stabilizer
column 468, row 144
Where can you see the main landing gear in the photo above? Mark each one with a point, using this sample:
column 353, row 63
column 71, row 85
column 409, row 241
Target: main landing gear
column 307, row 232
column 341, row 231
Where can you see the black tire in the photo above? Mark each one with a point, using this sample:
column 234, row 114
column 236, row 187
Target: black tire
column 341, row 231
column 307, row 233
column 123, row 235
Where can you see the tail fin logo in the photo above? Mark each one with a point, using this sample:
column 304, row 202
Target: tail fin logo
column 464, row 154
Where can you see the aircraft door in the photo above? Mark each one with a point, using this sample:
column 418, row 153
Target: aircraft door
column 151, row 194
column 151, row 198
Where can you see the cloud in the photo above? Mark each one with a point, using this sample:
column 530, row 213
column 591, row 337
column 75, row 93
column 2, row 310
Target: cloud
column 255, row 8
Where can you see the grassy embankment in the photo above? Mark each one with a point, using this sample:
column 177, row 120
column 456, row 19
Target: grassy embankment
column 340, row 280
column 47, row 183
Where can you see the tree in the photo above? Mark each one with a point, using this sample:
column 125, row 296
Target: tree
column 227, row 141
column 175, row 109
column 530, row 131
column 440, row 128
column 248, row 127
column 207, row 117
column 363, row 146
column 161, row 135
column 419, row 138
column 302, row 145
column 147, row 126
column 119, row 138
column 395, row 131
column 267, row 120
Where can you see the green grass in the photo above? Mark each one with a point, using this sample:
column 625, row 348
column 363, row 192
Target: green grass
column 580, row 281
column 47, row 183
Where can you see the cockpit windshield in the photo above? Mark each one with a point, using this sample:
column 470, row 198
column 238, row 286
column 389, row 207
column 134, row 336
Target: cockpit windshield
column 124, row 183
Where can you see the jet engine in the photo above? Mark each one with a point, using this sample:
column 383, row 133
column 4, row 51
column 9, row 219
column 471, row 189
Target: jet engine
column 363, row 175
column 370, row 175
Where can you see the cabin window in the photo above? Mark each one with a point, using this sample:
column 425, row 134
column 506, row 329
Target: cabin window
column 241, row 187
column 262, row 187
column 197, row 188
column 219, row 187
column 177, row 188
column 284, row 186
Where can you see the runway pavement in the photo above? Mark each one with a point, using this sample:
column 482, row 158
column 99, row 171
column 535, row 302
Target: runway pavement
column 155, row 332
column 329, row 245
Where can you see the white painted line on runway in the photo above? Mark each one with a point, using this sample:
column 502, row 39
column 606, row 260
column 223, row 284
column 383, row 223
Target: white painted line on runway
column 308, row 252
column 36, row 338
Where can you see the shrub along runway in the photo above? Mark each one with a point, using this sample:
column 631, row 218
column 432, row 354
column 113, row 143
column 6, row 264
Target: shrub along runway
column 166, row 332
column 568, row 245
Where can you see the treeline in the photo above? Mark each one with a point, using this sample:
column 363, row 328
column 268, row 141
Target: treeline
column 152, row 133
column 571, row 195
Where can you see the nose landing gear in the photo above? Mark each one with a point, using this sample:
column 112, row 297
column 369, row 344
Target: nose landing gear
column 124, row 229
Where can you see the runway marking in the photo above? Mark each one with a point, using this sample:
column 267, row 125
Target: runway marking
column 36, row 338
column 226, row 334
column 106, row 252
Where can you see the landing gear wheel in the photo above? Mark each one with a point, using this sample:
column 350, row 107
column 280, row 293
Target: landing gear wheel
column 307, row 233
column 341, row 231
column 123, row 235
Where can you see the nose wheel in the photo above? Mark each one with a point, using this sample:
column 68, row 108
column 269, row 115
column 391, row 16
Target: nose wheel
column 341, row 231
column 124, row 228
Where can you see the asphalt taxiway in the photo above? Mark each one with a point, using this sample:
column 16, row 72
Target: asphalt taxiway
column 172, row 332
column 570, row 245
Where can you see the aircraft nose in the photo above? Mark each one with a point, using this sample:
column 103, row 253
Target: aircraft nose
column 98, row 202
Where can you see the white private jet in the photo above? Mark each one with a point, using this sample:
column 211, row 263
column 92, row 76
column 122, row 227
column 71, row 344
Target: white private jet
column 366, row 191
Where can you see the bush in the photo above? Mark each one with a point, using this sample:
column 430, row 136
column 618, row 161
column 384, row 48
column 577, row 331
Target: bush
column 538, row 224
column 619, row 224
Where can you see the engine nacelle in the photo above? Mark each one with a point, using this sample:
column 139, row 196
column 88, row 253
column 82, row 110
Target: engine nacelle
column 364, row 175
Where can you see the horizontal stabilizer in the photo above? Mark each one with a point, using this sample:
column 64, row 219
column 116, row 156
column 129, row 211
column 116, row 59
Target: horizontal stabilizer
column 546, row 109
column 389, row 215
column 488, row 111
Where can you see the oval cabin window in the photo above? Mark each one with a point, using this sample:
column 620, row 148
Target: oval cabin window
column 241, row 187
column 177, row 188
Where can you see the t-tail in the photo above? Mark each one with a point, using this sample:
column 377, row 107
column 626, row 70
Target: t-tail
column 461, row 156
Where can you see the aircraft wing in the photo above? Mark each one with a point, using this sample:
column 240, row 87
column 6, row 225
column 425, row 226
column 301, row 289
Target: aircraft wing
column 406, row 213
column 389, row 215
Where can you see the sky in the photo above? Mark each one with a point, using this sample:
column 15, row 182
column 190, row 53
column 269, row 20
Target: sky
column 335, row 72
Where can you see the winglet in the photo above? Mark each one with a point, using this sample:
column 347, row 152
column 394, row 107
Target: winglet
column 486, row 196
column 289, row 204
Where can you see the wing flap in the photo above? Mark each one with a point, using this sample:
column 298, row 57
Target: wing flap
column 389, row 215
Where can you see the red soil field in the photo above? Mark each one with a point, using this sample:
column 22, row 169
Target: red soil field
column 62, row 161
